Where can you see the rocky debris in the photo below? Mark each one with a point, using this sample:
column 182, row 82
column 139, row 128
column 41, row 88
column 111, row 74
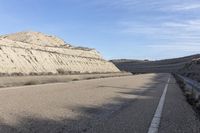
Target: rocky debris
column 34, row 52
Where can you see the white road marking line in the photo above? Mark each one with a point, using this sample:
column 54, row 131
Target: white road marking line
column 157, row 116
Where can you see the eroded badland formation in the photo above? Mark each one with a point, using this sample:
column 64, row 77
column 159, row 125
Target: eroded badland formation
column 34, row 52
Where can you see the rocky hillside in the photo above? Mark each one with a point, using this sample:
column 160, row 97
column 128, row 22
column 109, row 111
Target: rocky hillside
column 145, row 66
column 192, row 69
column 34, row 52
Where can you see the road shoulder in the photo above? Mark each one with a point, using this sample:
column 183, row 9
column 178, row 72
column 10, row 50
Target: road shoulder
column 178, row 116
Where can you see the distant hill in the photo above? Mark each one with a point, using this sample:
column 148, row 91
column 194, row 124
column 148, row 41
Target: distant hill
column 159, row 66
column 128, row 60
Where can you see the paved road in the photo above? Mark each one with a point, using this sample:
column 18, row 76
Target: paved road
column 112, row 105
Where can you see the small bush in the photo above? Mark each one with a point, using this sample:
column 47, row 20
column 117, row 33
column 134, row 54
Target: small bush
column 75, row 72
column 91, row 78
column 4, row 74
column 61, row 71
column 49, row 73
column 30, row 83
column 75, row 79
column 17, row 74
column 33, row 74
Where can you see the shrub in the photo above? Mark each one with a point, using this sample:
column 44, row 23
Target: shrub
column 61, row 71
column 17, row 74
column 75, row 72
column 33, row 74
column 4, row 74
column 49, row 73
column 30, row 83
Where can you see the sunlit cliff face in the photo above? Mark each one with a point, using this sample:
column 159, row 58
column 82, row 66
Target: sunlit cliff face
column 28, row 52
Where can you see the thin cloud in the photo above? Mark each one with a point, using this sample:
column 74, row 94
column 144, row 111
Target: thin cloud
column 132, row 4
column 173, row 36
column 186, row 7
column 177, row 47
column 186, row 28
column 174, row 4
column 188, row 25
column 146, row 5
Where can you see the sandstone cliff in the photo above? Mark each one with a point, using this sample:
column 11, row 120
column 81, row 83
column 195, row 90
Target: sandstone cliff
column 33, row 52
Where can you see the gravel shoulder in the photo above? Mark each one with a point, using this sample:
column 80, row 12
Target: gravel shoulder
column 178, row 115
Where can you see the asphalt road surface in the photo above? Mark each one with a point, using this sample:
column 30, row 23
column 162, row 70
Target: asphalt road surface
column 147, row 103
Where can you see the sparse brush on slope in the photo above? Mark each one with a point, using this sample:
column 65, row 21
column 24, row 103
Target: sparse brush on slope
column 35, row 53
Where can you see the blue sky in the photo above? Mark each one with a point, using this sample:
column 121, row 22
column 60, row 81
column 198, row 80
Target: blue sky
column 138, row 29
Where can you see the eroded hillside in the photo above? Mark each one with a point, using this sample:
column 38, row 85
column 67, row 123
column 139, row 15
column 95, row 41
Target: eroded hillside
column 33, row 52
column 192, row 70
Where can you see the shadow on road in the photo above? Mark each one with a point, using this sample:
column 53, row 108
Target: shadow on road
column 92, row 115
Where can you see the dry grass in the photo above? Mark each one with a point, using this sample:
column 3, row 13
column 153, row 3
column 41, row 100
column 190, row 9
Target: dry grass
column 30, row 83
column 7, row 81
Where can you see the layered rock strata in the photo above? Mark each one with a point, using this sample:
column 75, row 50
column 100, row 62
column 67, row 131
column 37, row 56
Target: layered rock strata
column 33, row 52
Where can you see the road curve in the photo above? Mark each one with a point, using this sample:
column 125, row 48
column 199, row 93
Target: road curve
column 111, row 105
